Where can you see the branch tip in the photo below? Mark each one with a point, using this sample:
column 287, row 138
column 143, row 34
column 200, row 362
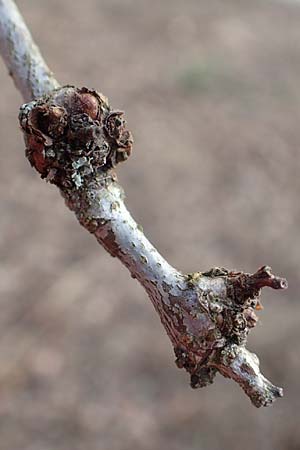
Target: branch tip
column 244, row 287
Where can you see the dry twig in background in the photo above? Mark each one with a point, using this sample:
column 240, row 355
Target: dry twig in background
column 75, row 141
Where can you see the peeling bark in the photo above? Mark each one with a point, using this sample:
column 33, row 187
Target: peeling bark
column 75, row 141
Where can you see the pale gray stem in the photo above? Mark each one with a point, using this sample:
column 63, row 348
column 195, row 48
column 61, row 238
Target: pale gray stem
column 75, row 140
column 238, row 363
column 138, row 254
column 22, row 57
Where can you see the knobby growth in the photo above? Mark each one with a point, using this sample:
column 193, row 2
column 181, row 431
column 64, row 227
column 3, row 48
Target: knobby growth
column 75, row 140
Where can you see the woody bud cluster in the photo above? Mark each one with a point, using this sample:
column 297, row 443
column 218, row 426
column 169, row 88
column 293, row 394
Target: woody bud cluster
column 72, row 136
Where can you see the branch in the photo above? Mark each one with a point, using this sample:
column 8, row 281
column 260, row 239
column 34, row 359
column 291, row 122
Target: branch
column 24, row 62
column 75, row 141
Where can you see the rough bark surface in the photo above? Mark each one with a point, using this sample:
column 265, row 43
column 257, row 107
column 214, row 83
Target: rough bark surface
column 75, row 141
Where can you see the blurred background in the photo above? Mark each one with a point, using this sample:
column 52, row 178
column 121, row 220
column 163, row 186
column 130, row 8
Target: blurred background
column 211, row 94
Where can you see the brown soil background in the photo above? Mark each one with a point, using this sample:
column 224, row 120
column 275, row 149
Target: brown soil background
column 211, row 92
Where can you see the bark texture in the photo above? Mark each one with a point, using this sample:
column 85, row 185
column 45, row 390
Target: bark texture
column 25, row 64
column 75, row 141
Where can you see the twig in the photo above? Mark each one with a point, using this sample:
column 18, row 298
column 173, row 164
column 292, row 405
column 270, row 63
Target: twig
column 22, row 57
column 75, row 141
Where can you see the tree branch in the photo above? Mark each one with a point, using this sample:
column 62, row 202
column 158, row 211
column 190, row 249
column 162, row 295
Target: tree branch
column 75, row 140
column 23, row 59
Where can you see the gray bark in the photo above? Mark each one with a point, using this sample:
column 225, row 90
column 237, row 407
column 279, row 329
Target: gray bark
column 75, row 141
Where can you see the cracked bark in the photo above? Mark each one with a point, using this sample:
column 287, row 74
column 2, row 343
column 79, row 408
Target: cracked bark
column 75, row 141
